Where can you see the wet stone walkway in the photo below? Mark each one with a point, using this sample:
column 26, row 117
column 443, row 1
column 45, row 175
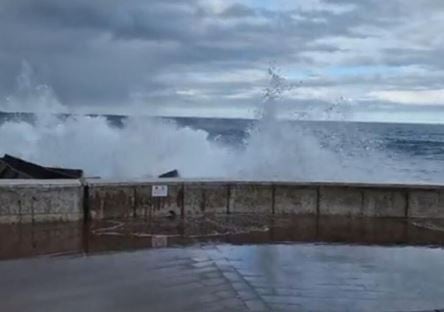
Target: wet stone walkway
column 291, row 277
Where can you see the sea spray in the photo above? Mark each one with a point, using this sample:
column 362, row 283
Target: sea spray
column 145, row 147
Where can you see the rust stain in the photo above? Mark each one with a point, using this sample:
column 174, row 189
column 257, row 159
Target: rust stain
column 203, row 200
column 273, row 199
column 180, row 200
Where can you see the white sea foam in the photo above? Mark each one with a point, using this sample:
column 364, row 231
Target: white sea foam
column 147, row 146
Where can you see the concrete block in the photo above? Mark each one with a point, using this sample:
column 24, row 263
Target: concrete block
column 52, row 201
column 384, row 203
column 111, row 201
column 194, row 199
column 133, row 200
column 143, row 201
column 201, row 199
column 251, row 198
column 40, row 201
column 426, row 204
column 362, row 202
column 12, row 219
column 10, row 202
column 295, row 201
column 341, row 201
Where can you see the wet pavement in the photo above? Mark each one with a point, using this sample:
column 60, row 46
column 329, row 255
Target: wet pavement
column 301, row 277
column 300, row 264
column 28, row 240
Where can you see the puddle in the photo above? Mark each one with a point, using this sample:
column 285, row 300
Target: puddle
column 19, row 241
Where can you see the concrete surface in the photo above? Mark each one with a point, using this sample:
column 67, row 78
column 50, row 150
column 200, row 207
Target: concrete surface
column 426, row 204
column 40, row 201
column 230, row 278
column 251, row 198
column 295, row 200
column 201, row 197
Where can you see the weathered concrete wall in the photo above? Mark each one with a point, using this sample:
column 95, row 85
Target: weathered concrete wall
column 206, row 198
column 195, row 198
column 295, row 200
column 362, row 202
column 44, row 201
column 247, row 198
column 40, row 201
column 122, row 200
column 426, row 203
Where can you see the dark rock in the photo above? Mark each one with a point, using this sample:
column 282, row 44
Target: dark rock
column 16, row 168
column 170, row 174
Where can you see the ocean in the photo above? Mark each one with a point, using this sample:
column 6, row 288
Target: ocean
column 117, row 147
column 413, row 152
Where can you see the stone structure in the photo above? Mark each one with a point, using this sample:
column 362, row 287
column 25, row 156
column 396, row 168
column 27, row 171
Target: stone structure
column 191, row 198
column 27, row 201
column 40, row 201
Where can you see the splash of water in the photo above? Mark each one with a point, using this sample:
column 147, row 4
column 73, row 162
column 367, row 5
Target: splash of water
column 140, row 148
column 282, row 150
column 31, row 96
column 147, row 146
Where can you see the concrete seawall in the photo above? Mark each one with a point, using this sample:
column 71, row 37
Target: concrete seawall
column 193, row 198
column 45, row 201
column 28, row 201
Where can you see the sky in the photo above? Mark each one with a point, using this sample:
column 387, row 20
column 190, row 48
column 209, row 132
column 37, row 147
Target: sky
column 367, row 60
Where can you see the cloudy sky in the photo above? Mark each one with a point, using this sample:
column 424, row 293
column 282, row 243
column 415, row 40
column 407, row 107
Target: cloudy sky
column 367, row 59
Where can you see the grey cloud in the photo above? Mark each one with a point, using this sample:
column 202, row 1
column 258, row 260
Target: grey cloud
column 98, row 53
column 238, row 11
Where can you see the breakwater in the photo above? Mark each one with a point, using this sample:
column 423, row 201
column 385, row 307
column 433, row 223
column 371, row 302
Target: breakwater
column 26, row 201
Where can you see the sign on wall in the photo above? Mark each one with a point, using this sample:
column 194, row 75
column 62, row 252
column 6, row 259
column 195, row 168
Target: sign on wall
column 159, row 191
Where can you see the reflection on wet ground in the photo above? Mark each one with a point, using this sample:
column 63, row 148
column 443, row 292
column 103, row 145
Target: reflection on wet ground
column 17, row 241
column 234, row 263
